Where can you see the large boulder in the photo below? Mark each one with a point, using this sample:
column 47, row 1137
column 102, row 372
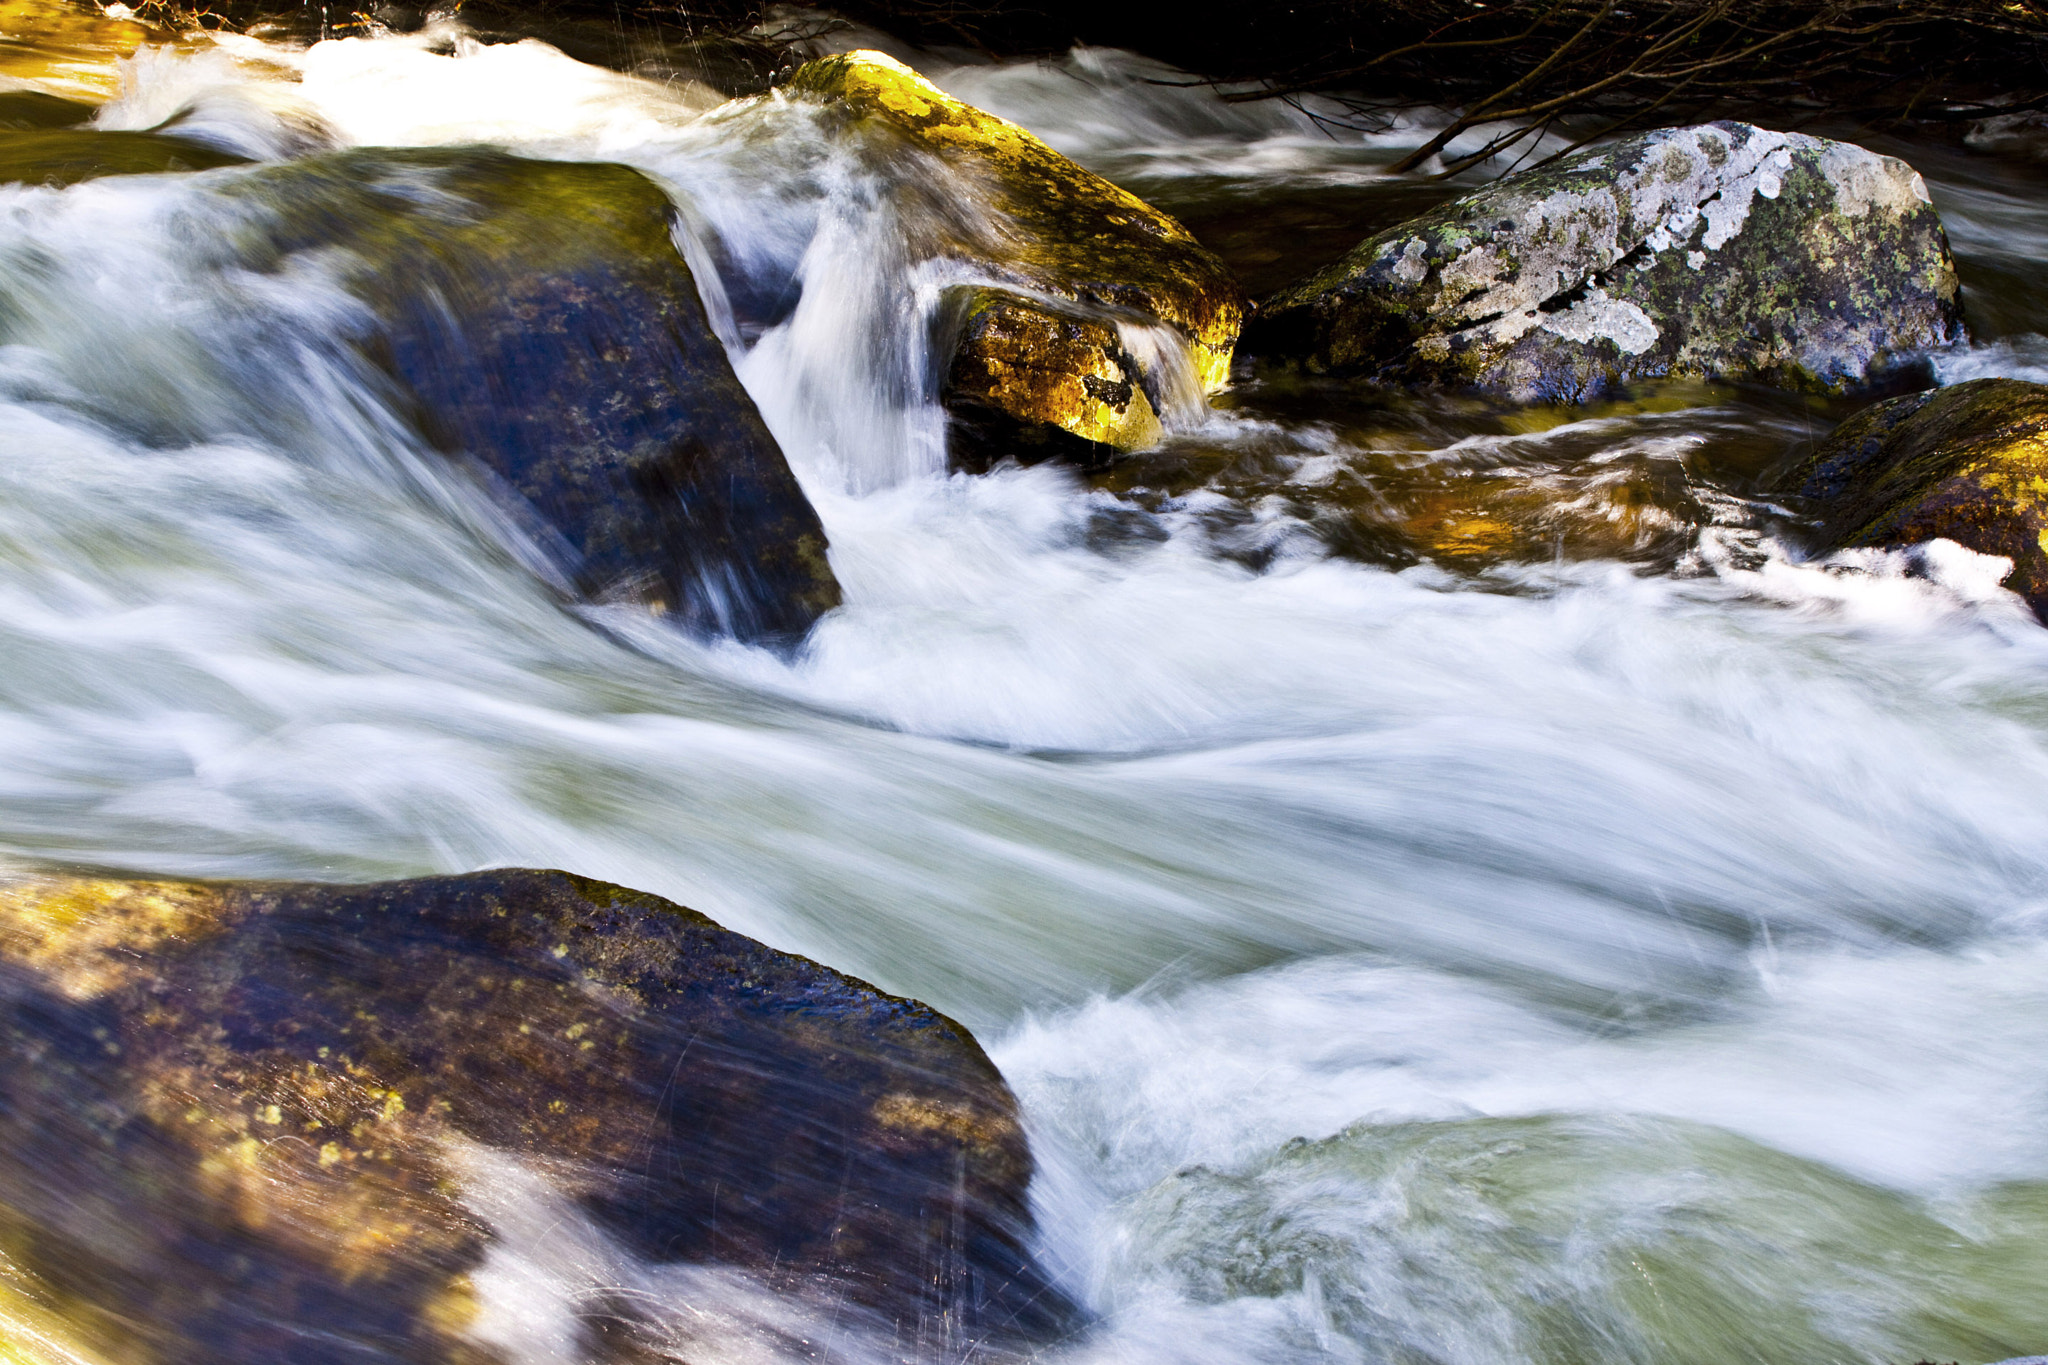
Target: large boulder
column 1037, row 352
column 538, row 319
column 1967, row 464
column 264, row 1122
column 1720, row 251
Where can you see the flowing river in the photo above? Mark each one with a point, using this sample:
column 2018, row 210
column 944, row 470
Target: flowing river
column 1447, row 883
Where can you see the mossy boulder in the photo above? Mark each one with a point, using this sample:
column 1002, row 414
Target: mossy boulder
column 537, row 319
column 1967, row 463
column 1720, row 251
column 247, row 1122
column 1081, row 257
column 66, row 156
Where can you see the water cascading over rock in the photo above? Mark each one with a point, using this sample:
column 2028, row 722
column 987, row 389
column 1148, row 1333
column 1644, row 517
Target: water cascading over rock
column 1034, row 360
column 1967, row 464
column 535, row 319
column 1723, row 251
column 43, row 142
column 240, row 1122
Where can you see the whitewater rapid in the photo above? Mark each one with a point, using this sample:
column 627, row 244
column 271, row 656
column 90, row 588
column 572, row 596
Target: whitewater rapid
column 1570, row 963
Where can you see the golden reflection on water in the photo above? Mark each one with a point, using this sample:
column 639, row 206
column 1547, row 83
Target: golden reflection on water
column 68, row 49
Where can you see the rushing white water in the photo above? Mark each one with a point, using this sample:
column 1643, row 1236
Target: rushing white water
column 1569, row 964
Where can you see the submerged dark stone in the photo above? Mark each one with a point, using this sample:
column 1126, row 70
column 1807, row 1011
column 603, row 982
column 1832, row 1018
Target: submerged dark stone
column 27, row 109
column 538, row 318
column 34, row 154
column 1721, row 251
column 1967, row 463
column 231, row 1115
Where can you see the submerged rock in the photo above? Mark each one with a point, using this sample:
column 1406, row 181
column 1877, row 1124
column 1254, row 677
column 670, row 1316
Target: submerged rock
column 239, row 1122
column 28, row 109
column 2010, row 134
column 66, row 156
column 1038, row 350
column 538, row 319
column 1722, row 251
column 1967, row 463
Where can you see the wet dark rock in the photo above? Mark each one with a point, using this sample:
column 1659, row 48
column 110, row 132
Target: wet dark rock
column 65, row 156
column 1722, row 251
column 1083, row 256
column 1967, row 463
column 234, row 1118
column 538, row 319
column 2023, row 135
column 21, row 110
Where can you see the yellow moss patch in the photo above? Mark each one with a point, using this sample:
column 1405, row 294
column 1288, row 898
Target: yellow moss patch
column 1036, row 366
column 1967, row 463
column 921, row 1114
column 88, row 935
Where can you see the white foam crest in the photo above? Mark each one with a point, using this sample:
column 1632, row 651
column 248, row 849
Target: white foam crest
column 2019, row 357
column 1131, row 117
column 215, row 98
column 1140, row 120
column 1858, row 1061
column 1862, row 1062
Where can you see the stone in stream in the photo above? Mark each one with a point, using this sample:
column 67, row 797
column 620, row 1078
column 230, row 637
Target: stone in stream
column 66, row 156
column 537, row 318
column 242, row 1122
column 1034, row 360
column 1029, row 382
column 21, row 110
column 1723, row 251
column 1967, row 463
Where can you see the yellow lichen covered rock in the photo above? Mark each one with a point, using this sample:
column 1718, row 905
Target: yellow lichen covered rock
column 1967, row 463
column 1025, row 376
column 244, row 1122
column 1100, row 254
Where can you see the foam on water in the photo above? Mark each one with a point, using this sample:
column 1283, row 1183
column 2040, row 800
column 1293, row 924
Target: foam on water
column 1649, row 965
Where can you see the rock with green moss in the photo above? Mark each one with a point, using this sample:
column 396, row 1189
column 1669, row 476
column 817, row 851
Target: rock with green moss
column 66, row 156
column 263, row 1122
column 537, row 319
column 1722, row 251
column 1967, row 464
column 1040, row 351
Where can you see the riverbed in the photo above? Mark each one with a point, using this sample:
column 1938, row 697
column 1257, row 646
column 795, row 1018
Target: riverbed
column 1448, row 882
